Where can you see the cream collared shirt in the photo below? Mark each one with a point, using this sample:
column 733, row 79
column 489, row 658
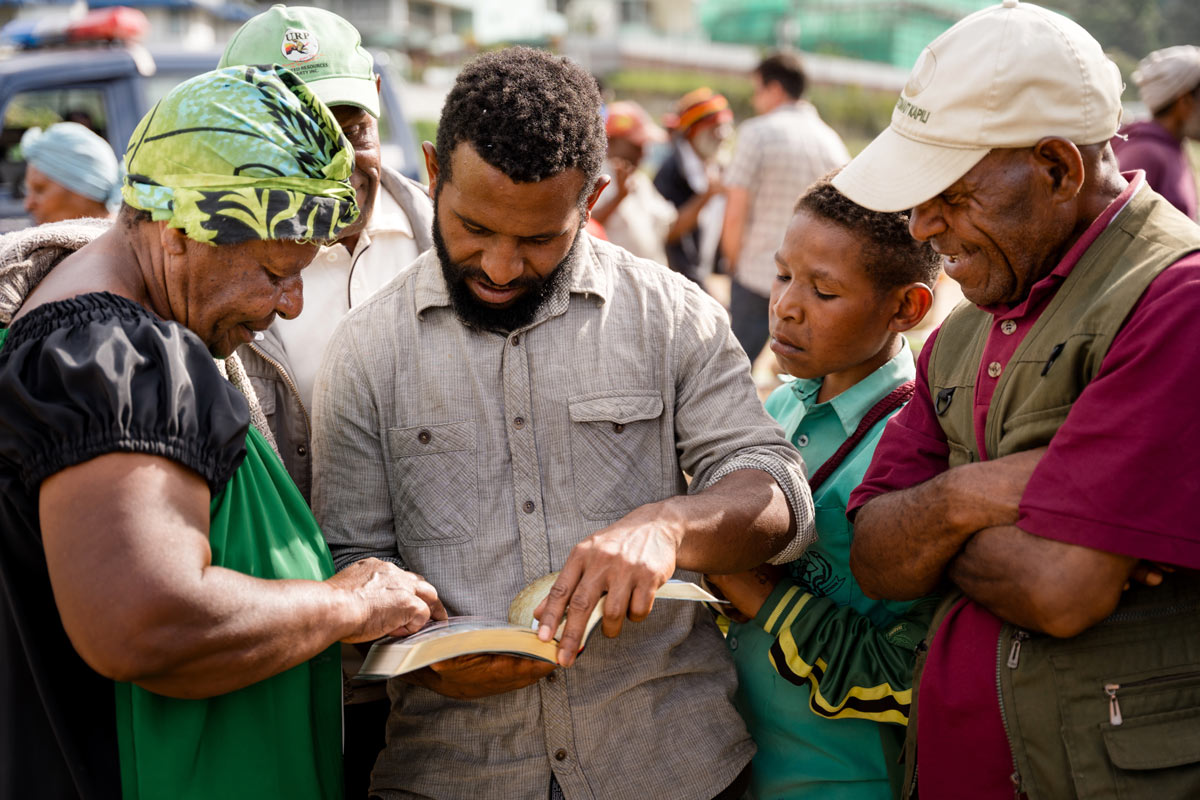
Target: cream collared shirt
column 337, row 280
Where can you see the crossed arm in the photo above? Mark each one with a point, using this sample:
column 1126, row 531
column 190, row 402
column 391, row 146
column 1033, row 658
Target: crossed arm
column 961, row 525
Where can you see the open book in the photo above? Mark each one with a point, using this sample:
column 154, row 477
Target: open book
column 458, row 636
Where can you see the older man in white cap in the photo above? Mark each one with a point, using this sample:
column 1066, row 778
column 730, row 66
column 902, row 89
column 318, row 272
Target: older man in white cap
column 1049, row 456
column 1169, row 82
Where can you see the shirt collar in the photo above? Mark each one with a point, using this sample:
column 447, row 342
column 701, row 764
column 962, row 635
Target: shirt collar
column 853, row 404
column 589, row 278
column 388, row 216
column 1049, row 284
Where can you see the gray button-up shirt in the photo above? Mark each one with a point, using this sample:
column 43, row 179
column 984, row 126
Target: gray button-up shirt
column 479, row 460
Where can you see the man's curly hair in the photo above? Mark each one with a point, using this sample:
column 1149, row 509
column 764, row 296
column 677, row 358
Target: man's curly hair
column 527, row 113
column 893, row 257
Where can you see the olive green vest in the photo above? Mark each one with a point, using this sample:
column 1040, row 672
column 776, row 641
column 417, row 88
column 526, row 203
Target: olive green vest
column 1070, row 736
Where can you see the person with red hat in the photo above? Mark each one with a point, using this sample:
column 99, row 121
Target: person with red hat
column 690, row 179
column 634, row 215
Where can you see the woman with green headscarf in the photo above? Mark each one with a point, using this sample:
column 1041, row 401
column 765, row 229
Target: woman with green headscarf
column 169, row 609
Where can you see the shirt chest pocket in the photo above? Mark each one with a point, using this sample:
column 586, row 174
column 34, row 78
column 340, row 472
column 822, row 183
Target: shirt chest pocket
column 434, row 485
column 616, row 453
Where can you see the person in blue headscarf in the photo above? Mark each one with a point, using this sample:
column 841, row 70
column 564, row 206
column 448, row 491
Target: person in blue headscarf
column 70, row 173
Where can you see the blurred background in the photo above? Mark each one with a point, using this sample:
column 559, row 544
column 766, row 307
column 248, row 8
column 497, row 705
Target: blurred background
column 104, row 63
column 858, row 52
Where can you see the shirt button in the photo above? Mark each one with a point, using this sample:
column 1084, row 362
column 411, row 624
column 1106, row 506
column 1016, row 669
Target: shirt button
column 994, row 369
column 732, row 642
column 424, row 436
column 514, row 340
column 518, row 422
column 802, row 440
column 618, row 427
column 528, row 506
column 1008, row 327
column 560, row 754
column 302, row 451
column 552, row 677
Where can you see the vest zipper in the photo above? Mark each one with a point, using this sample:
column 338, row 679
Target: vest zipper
column 1014, row 653
column 1012, row 660
column 1151, row 612
column 290, row 384
column 1111, row 689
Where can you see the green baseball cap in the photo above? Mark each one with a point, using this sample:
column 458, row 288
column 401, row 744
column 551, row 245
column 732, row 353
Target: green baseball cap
column 322, row 49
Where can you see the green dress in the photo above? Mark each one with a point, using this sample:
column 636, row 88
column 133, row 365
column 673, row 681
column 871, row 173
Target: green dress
column 124, row 380
column 279, row 738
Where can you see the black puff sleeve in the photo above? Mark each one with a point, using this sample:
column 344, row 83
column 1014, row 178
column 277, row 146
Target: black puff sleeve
column 98, row 374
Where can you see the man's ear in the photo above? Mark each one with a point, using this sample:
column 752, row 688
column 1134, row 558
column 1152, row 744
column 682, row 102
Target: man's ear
column 431, row 166
column 173, row 240
column 1062, row 164
column 597, row 190
column 913, row 303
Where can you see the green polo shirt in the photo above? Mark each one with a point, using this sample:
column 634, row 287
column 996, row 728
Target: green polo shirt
column 824, row 671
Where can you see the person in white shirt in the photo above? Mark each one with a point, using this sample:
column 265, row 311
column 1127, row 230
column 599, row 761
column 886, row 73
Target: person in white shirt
column 326, row 52
column 395, row 226
column 634, row 215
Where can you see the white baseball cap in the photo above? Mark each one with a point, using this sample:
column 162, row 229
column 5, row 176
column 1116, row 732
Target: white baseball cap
column 1004, row 77
column 1165, row 74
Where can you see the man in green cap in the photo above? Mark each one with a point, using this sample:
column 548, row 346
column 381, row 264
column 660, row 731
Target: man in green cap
column 326, row 52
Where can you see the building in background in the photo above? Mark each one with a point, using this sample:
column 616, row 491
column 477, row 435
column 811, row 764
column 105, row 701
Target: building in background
column 890, row 31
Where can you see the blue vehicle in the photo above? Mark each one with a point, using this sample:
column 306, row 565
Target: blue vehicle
column 109, row 87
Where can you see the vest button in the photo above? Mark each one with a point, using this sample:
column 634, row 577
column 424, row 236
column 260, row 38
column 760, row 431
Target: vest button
column 424, row 437
column 994, row 369
column 1008, row 327
column 560, row 755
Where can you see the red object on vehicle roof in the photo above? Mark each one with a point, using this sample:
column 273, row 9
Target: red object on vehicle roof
column 119, row 23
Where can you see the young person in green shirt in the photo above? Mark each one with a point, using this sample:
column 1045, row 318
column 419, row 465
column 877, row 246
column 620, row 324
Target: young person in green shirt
column 825, row 672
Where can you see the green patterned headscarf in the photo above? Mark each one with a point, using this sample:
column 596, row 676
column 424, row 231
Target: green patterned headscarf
column 242, row 154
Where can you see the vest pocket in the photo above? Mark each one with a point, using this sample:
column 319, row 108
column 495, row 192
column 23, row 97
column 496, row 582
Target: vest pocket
column 1155, row 750
column 616, row 453
column 434, row 486
column 1128, row 700
column 959, row 454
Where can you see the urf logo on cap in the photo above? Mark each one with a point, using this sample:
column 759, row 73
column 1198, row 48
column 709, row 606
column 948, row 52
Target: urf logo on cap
column 299, row 45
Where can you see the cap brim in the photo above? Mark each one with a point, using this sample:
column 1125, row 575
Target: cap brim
column 360, row 92
column 895, row 173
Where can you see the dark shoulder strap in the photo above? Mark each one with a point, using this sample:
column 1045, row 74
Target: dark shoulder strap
column 898, row 397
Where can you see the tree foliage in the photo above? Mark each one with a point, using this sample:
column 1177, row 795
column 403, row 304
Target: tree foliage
column 1135, row 27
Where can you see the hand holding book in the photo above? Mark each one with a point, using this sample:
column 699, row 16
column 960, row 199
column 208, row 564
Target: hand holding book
column 452, row 644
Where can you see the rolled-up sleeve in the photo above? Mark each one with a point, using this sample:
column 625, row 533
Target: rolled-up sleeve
column 720, row 424
column 351, row 499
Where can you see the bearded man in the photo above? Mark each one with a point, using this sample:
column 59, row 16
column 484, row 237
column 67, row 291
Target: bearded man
column 527, row 398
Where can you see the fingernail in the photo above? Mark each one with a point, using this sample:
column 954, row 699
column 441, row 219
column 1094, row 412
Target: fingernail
column 544, row 633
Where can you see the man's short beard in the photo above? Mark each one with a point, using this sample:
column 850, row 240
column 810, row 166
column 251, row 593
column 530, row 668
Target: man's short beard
column 522, row 311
